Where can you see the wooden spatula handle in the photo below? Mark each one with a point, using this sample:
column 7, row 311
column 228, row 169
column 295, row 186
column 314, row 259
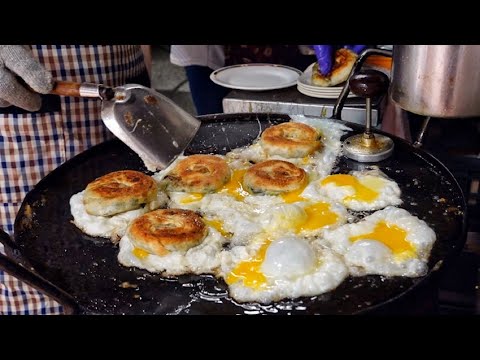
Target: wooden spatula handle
column 66, row 88
column 84, row 90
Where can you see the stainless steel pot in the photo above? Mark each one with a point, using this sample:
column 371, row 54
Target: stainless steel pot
column 437, row 80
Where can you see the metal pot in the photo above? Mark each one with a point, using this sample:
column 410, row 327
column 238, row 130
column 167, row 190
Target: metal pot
column 437, row 80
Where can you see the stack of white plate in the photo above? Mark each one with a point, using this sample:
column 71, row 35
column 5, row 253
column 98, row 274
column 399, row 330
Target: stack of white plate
column 305, row 86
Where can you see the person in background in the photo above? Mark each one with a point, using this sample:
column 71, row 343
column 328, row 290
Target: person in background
column 39, row 132
column 200, row 61
column 289, row 55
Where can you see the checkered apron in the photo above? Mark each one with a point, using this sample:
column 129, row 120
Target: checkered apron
column 33, row 144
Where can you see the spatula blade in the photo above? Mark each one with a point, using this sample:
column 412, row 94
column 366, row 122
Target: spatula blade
column 150, row 124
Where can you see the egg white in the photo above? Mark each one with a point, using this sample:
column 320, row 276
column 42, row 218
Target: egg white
column 369, row 256
column 112, row 227
column 201, row 259
column 239, row 218
column 389, row 192
column 159, row 175
column 184, row 200
column 292, row 268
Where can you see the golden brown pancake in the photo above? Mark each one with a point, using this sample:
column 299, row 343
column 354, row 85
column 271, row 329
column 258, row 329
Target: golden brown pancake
column 344, row 61
column 198, row 174
column 273, row 177
column 118, row 192
column 162, row 231
column 290, row 140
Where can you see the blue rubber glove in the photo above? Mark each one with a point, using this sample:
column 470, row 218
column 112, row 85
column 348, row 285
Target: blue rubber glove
column 357, row 49
column 326, row 55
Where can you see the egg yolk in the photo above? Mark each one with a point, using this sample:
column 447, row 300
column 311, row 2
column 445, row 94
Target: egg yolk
column 392, row 236
column 363, row 190
column 192, row 197
column 139, row 253
column 217, row 225
column 234, row 187
column 249, row 271
column 318, row 216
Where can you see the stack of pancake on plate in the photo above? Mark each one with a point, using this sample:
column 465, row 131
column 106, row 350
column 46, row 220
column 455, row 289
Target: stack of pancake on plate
column 342, row 66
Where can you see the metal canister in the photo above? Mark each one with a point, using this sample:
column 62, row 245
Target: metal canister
column 437, row 80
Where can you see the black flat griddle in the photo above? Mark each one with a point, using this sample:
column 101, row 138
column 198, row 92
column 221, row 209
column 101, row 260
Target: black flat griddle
column 87, row 268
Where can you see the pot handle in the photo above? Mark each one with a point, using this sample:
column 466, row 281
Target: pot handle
column 17, row 270
column 337, row 109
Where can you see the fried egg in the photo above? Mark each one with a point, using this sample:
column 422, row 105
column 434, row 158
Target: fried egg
column 318, row 164
column 192, row 200
column 389, row 242
column 361, row 190
column 201, row 259
column 157, row 245
column 271, row 215
column 304, row 218
column 118, row 192
column 114, row 226
column 287, row 267
column 274, row 177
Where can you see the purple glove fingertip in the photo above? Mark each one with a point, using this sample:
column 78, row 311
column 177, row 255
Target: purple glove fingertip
column 324, row 55
column 357, row 49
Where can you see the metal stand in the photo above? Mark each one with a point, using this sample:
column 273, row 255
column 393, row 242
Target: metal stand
column 368, row 147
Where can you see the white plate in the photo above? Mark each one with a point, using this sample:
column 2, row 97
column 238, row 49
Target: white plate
column 256, row 77
column 322, row 90
column 321, row 95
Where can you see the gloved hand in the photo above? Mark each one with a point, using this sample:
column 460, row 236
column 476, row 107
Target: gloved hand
column 18, row 60
column 326, row 55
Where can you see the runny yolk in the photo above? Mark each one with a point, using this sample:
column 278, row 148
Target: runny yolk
column 249, row 271
column 234, row 187
column 318, row 216
column 390, row 235
column 362, row 192
column 192, row 197
column 294, row 196
column 139, row 253
column 217, row 225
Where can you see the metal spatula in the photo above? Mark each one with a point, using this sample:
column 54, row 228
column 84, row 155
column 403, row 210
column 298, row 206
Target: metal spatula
column 149, row 123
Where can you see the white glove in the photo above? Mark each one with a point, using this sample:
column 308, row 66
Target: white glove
column 17, row 60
